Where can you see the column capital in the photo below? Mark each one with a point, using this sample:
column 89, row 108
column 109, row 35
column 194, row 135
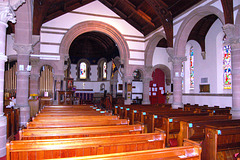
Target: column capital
column 58, row 77
column 6, row 14
column 22, row 73
column 177, row 59
column 23, row 49
column 34, row 76
column 3, row 58
column 147, row 79
column 128, row 79
column 233, row 39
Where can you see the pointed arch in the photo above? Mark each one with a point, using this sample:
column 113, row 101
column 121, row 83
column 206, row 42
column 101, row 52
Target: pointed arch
column 189, row 23
column 152, row 43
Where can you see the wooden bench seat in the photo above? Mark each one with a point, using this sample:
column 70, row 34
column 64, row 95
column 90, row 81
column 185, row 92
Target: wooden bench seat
column 188, row 152
column 195, row 130
column 49, row 124
column 221, row 140
column 76, row 132
column 171, row 125
column 95, row 113
column 72, row 147
column 74, row 118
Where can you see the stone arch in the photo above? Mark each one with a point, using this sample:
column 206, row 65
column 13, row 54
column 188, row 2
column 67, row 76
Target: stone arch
column 152, row 43
column 237, row 22
column 49, row 63
column 166, row 71
column 97, row 26
column 189, row 23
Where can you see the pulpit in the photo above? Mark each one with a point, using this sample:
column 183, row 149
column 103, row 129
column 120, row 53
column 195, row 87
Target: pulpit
column 65, row 97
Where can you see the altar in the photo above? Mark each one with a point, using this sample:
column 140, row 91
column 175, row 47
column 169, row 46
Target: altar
column 85, row 96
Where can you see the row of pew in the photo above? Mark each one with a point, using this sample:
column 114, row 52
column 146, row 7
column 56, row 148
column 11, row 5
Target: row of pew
column 12, row 116
column 88, row 132
column 211, row 127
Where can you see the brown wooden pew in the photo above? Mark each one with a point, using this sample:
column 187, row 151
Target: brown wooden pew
column 222, row 141
column 171, row 124
column 12, row 116
column 86, row 113
column 86, row 123
column 187, row 152
column 76, row 132
column 72, row 147
column 195, row 130
column 74, row 118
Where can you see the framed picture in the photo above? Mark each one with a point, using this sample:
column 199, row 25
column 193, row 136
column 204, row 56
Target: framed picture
column 120, row 87
column 69, row 84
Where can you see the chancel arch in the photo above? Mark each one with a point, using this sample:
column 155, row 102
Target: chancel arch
column 94, row 26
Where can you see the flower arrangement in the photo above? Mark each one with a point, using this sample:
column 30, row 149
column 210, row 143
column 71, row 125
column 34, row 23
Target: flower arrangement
column 33, row 96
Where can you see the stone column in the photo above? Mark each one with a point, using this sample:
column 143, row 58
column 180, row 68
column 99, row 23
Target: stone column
column 177, row 78
column 146, row 82
column 114, row 83
column 6, row 14
column 128, row 80
column 34, row 78
column 57, row 80
column 34, row 84
column 233, row 39
column 23, row 81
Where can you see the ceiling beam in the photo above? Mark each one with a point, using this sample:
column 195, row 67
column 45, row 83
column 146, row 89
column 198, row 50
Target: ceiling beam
column 166, row 18
column 228, row 11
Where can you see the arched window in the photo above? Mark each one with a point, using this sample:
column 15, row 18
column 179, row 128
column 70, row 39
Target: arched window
column 137, row 75
column 227, row 74
column 83, row 70
column 102, row 69
column 191, row 67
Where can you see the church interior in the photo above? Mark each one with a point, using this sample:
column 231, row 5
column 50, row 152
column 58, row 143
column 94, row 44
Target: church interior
column 120, row 79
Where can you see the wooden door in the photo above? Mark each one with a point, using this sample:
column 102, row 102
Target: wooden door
column 157, row 87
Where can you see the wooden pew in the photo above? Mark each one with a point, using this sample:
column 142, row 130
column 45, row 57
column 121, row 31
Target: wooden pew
column 195, row 130
column 86, row 123
column 155, row 119
column 187, row 152
column 72, row 147
column 73, row 118
column 76, row 132
column 221, row 141
column 12, row 116
column 86, row 113
column 171, row 124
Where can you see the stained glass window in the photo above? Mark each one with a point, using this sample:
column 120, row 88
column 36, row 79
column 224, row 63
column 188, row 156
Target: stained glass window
column 227, row 74
column 83, row 69
column 191, row 67
column 182, row 76
column 104, row 70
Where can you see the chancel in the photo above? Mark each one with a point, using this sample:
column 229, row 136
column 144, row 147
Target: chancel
column 123, row 79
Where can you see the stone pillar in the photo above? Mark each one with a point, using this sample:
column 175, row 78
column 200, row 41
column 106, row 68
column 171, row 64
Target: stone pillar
column 57, row 80
column 23, row 81
column 34, row 84
column 146, row 82
column 177, row 78
column 128, row 80
column 233, row 39
column 34, row 78
column 114, row 83
column 6, row 14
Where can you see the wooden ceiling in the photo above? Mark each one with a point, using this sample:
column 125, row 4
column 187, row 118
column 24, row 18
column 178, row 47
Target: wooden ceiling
column 144, row 15
column 141, row 14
